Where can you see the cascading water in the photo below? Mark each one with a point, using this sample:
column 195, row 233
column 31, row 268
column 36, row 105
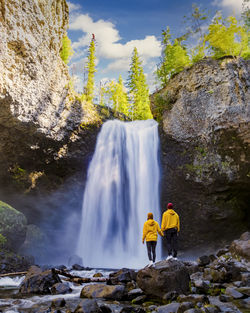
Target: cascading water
column 122, row 187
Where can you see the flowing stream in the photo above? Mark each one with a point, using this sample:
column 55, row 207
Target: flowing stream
column 122, row 187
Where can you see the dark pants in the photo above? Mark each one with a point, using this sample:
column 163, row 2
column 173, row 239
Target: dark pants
column 171, row 236
column 151, row 245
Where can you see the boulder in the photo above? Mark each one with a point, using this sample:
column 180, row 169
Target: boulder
column 241, row 247
column 13, row 226
column 203, row 260
column 88, row 306
column 132, row 309
column 166, row 276
column 169, row 308
column 232, row 292
column 184, row 306
column 123, row 276
column 193, row 299
column 60, row 288
column 38, row 282
column 115, row 292
column 105, row 308
column 58, row 303
column 11, row 262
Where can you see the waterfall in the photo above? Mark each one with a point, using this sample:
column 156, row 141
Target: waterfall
column 122, row 187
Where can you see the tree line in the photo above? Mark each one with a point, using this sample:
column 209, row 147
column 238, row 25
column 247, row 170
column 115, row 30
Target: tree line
column 222, row 37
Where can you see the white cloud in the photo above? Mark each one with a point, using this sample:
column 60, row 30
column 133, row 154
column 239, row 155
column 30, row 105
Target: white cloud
column 73, row 7
column 234, row 6
column 107, row 38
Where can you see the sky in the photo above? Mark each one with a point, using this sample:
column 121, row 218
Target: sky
column 121, row 25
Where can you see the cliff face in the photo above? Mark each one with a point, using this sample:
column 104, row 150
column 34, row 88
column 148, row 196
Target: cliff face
column 33, row 76
column 205, row 136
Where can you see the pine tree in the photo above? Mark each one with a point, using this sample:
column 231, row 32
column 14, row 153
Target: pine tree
column 174, row 58
column 66, row 50
column 90, row 66
column 138, row 90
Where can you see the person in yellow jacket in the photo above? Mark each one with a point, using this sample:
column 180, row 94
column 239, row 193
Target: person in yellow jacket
column 150, row 230
column 171, row 226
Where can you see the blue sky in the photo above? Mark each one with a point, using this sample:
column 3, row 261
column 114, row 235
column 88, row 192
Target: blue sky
column 121, row 25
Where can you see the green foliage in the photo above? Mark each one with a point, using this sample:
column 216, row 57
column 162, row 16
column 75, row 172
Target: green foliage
column 118, row 96
column 90, row 66
column 138, row 90
column 246, row 14
column 227, row 37
column 174, row 58
column 162, row 102
column 3, row 240
column 66, row 50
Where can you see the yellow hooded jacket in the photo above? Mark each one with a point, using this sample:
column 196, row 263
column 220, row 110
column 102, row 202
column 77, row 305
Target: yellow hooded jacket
column 150, row 229
column 170, row 219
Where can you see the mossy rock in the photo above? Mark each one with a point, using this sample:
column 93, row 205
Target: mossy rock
column 13, row 225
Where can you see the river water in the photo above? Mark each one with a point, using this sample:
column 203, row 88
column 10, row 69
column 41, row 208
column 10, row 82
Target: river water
column 122, row 186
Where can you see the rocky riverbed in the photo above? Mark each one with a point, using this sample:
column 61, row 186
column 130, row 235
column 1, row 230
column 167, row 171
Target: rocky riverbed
column 213, row 283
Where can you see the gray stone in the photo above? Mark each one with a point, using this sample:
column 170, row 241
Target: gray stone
column 165, row 277
column 225, row 298
column 132, row 309
column 88, row 306
column 232, row 292
column 241, row 247
column 169, row 308
column 38, row 282
column 193, row 298
column 185, row 306
column 60, row 288
column 194, row 311
column 114, row 292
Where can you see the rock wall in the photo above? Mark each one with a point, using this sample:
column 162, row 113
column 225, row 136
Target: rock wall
column 204, row 115
column 33, row 76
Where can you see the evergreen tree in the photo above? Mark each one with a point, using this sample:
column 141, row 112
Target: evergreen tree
column 90, row 66
column 138, row 90
column 117, row 96
column 66, row 50
column 227, row 37
column 174, row 58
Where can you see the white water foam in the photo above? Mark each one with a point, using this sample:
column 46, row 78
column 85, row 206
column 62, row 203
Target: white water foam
column 122, row 187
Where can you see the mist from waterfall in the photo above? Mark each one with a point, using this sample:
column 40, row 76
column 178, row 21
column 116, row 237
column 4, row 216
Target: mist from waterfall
column 122, row 187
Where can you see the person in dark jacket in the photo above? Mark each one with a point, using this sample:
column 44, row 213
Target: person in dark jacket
column 150, row 230
column 171, row 226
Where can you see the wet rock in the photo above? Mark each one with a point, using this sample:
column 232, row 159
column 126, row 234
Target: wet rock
column 13, row 226
column 98, row 275
column 134, row 293
column 60, row 288
column 185, row 306
column 202, row 286
column 194, row 311
column 225, row 298
column 166, row 276
column 211, row 309
column 222, row 252
column 139, row 299
column 123, row 276
column 170, row 296
column 11, row 262
column 58, row 303
column 232, row 292
column 193, row 298
column 114, row 292
column 244, row 303
column 244, row 290
column 77, row 267
column 88, row 306
column 38, row 282
column 241, row 247
column 169, row 308
column 105, row 308
column 131, row 309
column 203, row 260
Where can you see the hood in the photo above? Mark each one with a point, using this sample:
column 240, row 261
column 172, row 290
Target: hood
column 151, row 222
column 172, row 212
